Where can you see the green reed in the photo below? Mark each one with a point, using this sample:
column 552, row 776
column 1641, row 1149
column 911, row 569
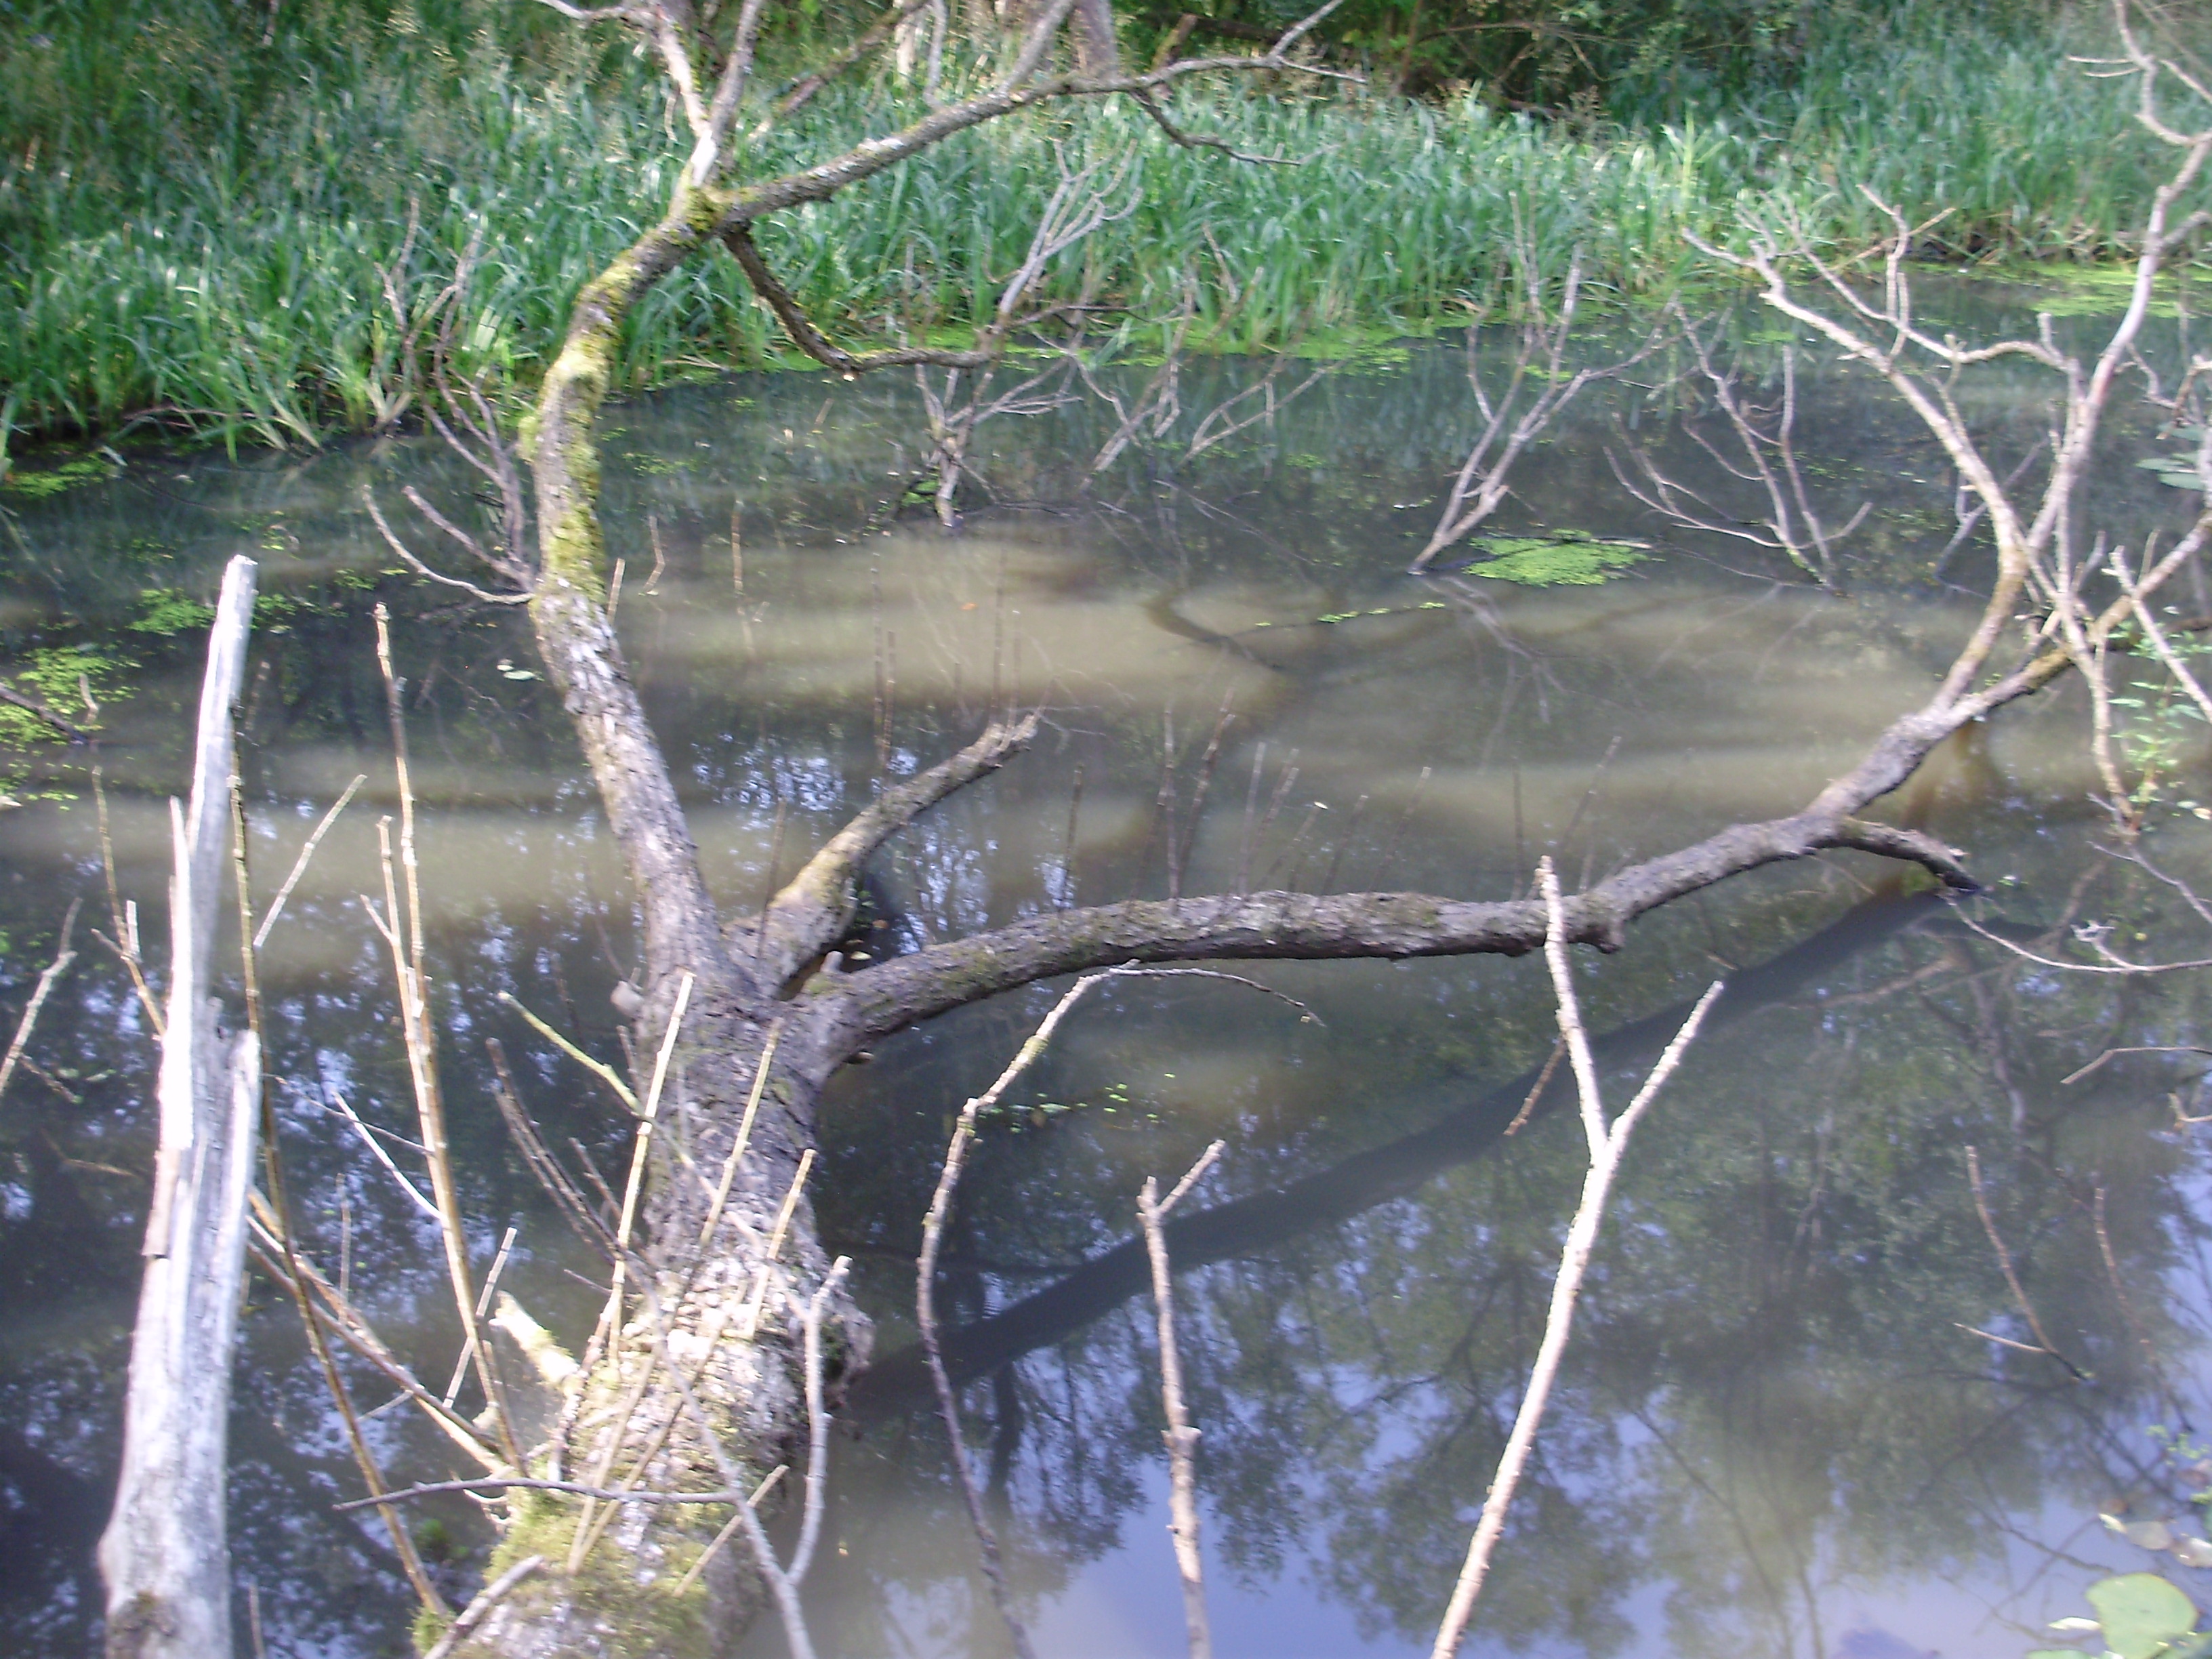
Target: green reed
column 229, row 273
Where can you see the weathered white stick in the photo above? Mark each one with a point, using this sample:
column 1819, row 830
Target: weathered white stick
column 1181, row 1437
column 1606, row 1145
column 164, row 1555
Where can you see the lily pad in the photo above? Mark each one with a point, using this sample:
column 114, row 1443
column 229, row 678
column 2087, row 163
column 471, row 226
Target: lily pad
column 2141, row 1614
column 2145, row 1534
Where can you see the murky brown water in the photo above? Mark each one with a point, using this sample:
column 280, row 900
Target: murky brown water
column 1773, row 1434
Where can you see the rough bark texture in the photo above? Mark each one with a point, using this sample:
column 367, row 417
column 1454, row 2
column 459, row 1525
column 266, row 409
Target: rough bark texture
column 164, row 1556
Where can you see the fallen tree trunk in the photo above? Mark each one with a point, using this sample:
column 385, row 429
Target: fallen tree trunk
column 165, row 1555
column 696, row 1382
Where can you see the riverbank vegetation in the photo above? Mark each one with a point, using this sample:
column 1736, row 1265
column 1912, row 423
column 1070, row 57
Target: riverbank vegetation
column 217, row 214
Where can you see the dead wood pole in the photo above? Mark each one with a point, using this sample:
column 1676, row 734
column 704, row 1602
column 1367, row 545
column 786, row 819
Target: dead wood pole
column 1607, row 1143
column 1181, row 1437
column 165, row 1557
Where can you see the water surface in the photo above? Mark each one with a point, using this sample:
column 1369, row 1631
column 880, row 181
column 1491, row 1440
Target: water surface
column 1778, row 1431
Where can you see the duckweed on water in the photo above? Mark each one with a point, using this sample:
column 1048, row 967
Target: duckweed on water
column 53, row 481
column 1564, row 561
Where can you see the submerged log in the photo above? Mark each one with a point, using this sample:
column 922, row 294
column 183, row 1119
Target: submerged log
column 165, row 1555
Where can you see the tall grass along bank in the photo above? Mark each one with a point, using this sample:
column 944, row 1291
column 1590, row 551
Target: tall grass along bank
column 231, row 276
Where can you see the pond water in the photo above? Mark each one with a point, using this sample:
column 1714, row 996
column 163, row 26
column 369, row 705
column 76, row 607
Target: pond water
column 1781, row 1429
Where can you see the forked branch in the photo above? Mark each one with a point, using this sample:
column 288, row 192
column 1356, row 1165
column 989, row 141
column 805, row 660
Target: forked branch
column 1607, row 1144
column 818, row 904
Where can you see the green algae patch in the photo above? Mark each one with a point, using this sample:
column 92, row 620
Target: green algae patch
column 2102, row 288
column 49, row 482
column 165, row 610
column 1568, row 560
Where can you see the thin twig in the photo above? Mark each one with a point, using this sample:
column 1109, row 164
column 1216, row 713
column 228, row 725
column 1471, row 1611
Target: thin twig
column 729, row 1531
column 275, row 1217
column 375, row 1146
column 300, row 866
column 62, row 956
column 480, row 1609
column 410, row 970
column 1543, row 1081
column 123, row 917
column 750, row 1323
column 483, row 1307
column 2011, row 1275
column 597, row 1068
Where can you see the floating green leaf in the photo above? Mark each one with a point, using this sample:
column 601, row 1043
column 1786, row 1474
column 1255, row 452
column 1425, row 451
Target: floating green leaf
column 2142, row 1614
column 2178, row 472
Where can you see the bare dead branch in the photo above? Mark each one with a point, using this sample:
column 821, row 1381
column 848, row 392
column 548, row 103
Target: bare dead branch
column 307, row 854
column 332, row 1306
column 1482, row 485
column 519, row 1483
column 2098, row 1064
column 122, row 916
column 1150, row 104
column 738, row 239
column 816, row 905
column 2011, row 1274
column 407, row 554
column 597, row 1068
column 543, row 1165
column 480, row 1609
column 883, row 999
column 411, row 975
column 62, row 956
column 1181, row 1437
column 1792, row 525
column 414, row 1193
column 1607, row 1144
